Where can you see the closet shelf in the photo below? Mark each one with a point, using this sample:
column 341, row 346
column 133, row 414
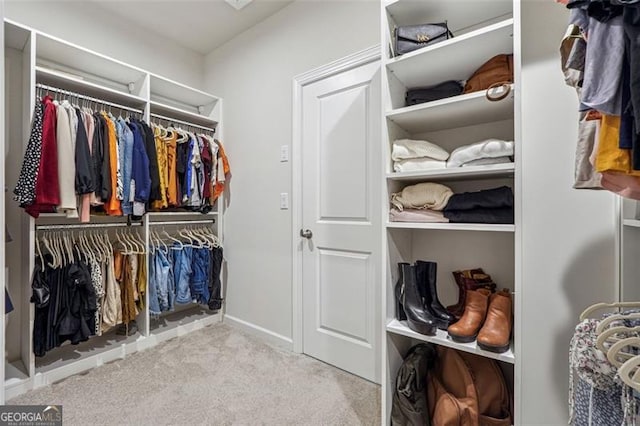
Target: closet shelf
column 157, row 215
column 441, row 338
column 634, row 223
column 458, row 173
column 181, row 114
column 462, row 16
column 165, row 89
column 453, row 226
column 455, row 59
column 458, row 111
column 72, row 83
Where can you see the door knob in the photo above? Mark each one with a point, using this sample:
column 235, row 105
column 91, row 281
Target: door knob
column 306, row 233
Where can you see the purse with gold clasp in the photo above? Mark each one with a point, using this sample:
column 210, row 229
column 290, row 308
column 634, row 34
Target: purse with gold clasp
column 412, row 37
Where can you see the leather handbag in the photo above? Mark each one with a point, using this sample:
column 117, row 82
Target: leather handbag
column 409, row 398
column 496, row 72
column 443, row 90
column 467, row 390
column 412, row 37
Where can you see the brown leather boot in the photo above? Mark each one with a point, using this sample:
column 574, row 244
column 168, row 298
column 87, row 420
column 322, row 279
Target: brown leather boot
column 496, row 331
column 469, row 279
column 475, row 310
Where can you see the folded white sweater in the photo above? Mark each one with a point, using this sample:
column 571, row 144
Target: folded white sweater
column 490, row 148
column 404, row 149
column 418, row 164
column 488, row 161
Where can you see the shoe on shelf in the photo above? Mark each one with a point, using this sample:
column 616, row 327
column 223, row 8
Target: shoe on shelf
column 469, row 279
column 496, row 331
column 398, row 291
column 427, row 274
column 475, row 310
column 418, row 319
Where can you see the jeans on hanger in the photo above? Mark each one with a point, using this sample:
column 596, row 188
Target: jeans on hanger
column 215, row 285
column 182, row 269
column 163, row 273
column 154, row 305
column 199, row 281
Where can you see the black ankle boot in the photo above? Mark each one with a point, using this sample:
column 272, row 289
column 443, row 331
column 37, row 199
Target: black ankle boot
column 399, row 291
column 418, row 318
column 427, row 282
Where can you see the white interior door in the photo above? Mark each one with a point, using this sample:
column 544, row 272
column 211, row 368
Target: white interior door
column 341, row 212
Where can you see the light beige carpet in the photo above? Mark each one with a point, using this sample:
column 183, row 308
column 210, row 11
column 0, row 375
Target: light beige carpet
column 215, row 376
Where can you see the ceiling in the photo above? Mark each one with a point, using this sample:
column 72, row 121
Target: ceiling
column 198, row 25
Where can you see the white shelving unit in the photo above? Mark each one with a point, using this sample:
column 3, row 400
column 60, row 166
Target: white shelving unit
column 482, row 30
column 35, row 57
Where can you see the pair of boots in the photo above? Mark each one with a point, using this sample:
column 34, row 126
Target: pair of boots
column 487, row 318
column 417, row 298
column 467, row 280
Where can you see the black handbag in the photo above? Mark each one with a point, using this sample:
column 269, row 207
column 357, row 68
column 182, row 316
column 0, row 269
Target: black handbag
column 412, row 37
column 443, row 90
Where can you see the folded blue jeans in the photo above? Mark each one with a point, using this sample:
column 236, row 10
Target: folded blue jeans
column 200, row 277
column 163, row 269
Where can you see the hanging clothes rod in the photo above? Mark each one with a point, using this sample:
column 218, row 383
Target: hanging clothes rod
column 184, row 222
column 86, row 225
column 88, row 98
column 186, row 123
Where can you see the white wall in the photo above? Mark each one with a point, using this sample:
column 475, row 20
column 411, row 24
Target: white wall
column 86, row 24
column 568, row 235
column 254, row 73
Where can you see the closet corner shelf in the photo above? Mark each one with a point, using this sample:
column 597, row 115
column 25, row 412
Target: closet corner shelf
column 633, row 223
column 441, row 338
column 458, row 111
column 162, row 87
column 453, row 226
column 458, row 173
column 180, row 114
column 453, row 59
column 65, row 81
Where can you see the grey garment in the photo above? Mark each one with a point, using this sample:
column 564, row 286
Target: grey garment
column 572, row 57
column 632, row 29
column 602, row 85
column 586, row 176
column 597, row 407
column 410, row 396
column 580, row 18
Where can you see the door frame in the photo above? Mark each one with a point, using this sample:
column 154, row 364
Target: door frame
column 347, row 63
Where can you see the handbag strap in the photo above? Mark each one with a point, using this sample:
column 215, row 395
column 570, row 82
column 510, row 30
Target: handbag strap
column 507, row 89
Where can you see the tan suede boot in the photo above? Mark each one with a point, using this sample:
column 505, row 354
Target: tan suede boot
column 475, row 310
column 496, row 331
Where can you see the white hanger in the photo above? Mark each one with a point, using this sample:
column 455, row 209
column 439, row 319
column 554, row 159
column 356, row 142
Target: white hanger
column 609, row 336
column 615, row 351
column 181, row 246
column 49, row 247
column 630, row 373
column 596, row 307
column 40, row 253
column 606, row 322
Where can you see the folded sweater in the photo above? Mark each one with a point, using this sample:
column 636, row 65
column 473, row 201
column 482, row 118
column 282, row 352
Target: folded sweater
column 486, row 199
column 490, row 148
column 413, row 215
column 404, row 149
column 488, row 161
column 427, row 195
column 418, row 164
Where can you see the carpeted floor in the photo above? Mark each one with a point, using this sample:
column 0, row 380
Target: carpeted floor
column 215, row 376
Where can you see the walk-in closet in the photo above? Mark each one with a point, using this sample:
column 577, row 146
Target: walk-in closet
column 396, row 212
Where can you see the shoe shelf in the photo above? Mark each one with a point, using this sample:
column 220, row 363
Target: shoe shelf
column 487, row 227
column 453, row 59
column 634, row 223
column 457, row 111
column 458, row 173
column 442, row 338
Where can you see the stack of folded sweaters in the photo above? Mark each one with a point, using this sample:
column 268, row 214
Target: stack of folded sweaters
column 410, row 155
column 433, row 202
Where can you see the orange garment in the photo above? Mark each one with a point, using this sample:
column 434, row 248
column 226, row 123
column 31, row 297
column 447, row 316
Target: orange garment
column 113, row 205
column 609, row 157
column 222, row 172
column 161, row 152
column 171, row 141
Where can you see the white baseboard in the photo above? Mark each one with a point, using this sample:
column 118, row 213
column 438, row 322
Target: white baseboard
column 269, row 336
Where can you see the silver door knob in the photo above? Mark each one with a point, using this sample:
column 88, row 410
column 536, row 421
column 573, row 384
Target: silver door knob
column 306, row 233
